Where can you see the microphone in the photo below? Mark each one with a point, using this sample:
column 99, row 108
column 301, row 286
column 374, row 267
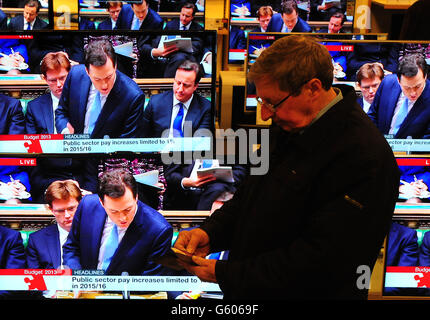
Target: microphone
column 125, row 293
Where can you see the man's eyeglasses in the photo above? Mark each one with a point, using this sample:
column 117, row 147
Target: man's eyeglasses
column 271, row 107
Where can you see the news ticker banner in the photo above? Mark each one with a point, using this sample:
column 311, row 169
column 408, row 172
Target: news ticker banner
column 75, row 144
column 407, row 277
column 409, row 145
column 95, row 280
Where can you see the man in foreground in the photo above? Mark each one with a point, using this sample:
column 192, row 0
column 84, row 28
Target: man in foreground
column 325, row 205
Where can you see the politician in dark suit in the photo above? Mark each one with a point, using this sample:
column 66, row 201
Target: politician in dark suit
column 163, row 108
column 113, row 8
column 12, row 120
column 44, row 248
column 402, row 101
column 29, row 20
column 402, row 247
column 288, row 19
column 171, row 57
column 12, row 256
column 3, row 20
column 402, row 251
column 39, row 117
column 99, row 100
column 139, row 16
column 116, row 232
column 424, row 254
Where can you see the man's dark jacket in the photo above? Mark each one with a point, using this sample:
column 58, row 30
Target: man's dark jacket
column 323, row 209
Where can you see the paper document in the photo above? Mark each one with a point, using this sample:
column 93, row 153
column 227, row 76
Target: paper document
column 183, row 44
column 125, row 49
column 149, row 178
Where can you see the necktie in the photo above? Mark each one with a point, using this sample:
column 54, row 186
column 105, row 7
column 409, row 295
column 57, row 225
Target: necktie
column 28, row 26
column 135, row 25
column 177, row 123
column 111, row 245
column 94, row 112
column 403, row 112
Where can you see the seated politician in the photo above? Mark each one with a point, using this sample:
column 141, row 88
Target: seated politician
column 335, row 24
column 113, row 8
column 401, row 104
column 39, row 117
column 139, row 16
column 264, row 14
column 320, row 10
column 167, row 113
column 12, row 256
column 100, row 101
column 369, row 77
column 288, row 20
column 45, row 246
column 402, row 251
column 115, row 232
column 170, row 57
column 424, row 254
column 29, row 20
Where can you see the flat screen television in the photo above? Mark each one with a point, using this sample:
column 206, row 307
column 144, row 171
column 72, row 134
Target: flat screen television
column 348, row 56
column 406, row 264
column 244, row 19
column 27, row 153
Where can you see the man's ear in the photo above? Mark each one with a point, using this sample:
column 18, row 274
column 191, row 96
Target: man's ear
column 314, row 86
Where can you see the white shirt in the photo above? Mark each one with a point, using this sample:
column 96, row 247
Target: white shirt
column 90, row 101
column 187, row 27
column 62, row 236
column 366, row 105
column 113, row 23
column 55, row 101
column 31, row 24
column 175, row 111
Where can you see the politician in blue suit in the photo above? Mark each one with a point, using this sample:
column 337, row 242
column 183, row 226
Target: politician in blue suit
column 401, row 106
column 424, row 254
column 186, row 22
column 113, row 8
column 101, row 101
column 163, row 108
column 116, row 232
column 44, row 248
column 139, row 16
column 402, row 248
column 39, row 119
column 288, row 19
column 12, row 255
column 402, row 251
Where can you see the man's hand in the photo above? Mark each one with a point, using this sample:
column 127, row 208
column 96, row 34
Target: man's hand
column 164, row 52
column 195, row 242
column 205, row 269
column 197, row 182
column 70, row 128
